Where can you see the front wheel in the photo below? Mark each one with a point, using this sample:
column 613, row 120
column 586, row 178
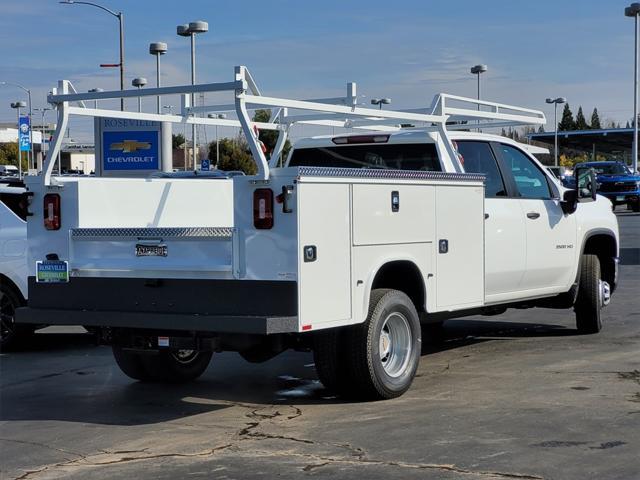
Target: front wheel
column 384, row 351
column 593, row 294
column 635, row 206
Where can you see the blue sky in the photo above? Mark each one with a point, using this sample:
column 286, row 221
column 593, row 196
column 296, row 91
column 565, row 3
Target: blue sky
column 406, row 50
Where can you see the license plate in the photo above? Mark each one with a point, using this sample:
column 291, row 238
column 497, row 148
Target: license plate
column 52, row 271
column 151, row 250
column 620, row 198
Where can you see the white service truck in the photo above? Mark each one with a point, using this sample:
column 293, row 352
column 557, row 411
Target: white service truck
column 345, row 250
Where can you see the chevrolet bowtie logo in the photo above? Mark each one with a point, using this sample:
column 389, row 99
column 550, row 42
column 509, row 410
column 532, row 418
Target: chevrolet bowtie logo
column 129, row 146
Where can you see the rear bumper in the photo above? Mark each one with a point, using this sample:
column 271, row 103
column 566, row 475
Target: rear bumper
column 217, row 306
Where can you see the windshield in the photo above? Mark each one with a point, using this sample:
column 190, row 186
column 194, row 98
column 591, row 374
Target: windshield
column 609, row 169
column 401, row 156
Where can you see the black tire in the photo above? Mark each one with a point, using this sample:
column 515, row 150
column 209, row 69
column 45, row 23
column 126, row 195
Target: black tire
column 329, row 356
column 176, row 366
column 588, row 303
column 131, row 364
column 369, row 376
column 11, row 335
column 635, row 206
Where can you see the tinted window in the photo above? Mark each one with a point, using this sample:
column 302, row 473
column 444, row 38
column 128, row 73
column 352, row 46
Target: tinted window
column 530, row 180
column 478, row 158
column 17, row 203
column 402, row 156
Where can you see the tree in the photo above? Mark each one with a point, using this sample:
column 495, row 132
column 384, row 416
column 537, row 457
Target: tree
column 541, row 129
column 567, row 122
column 234, row 155
column 9, row 155
column 581, row 122
column 595, row 120
column 177, row 141
column 627, row 125
column 269, row 137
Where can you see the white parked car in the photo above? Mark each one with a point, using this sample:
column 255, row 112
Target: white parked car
column 346, row 250
column 13, row 261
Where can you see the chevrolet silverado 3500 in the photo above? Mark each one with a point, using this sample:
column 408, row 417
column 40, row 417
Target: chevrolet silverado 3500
column 345, row 250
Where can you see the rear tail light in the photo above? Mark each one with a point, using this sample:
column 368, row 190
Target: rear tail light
column 263, row 208
column 52, row 211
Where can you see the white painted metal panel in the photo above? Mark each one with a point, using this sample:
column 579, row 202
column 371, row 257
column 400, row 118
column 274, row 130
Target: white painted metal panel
column 375, row 223
column 460, row 271
column 158, row 202
column 324, row 284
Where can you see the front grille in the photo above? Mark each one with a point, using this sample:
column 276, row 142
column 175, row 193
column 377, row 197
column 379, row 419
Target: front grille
column 618, row 187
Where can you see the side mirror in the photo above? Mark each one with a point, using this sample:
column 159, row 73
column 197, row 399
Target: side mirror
column 586, row 184
column 569, row 202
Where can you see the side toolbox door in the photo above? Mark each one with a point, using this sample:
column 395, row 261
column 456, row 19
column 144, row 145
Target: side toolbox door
column 324, row 253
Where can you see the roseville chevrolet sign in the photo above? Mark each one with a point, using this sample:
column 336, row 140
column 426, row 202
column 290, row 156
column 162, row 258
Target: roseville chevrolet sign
column 128, row 146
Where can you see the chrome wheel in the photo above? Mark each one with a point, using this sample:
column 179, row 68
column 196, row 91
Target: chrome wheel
column 605, row 293
column 395, row 344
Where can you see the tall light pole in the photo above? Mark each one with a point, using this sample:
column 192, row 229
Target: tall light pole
column 380, row 102
column 95, row 90
column 158, row 49
column 478, row 70
column 42, row 111
column 633, row 10
column 120, row 17
column 555, row 102
column 30, row 114
column 191, row 30
column 139, row 82
column 217, row 115
column 19, row 105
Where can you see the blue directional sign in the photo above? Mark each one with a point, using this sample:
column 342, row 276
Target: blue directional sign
column 205, row 165
column 130, row 150
column 23, row 134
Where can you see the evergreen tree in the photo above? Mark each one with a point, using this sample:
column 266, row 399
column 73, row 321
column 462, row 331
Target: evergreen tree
column 567, row 122
column 595, row 120
column 627, row 125
column 541, row 129
column 581, row 122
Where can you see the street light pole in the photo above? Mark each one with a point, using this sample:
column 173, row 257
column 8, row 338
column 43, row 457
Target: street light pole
column 380, row 102
column 555, row 102
column 18, row 106
column 28, row 91
column 158, row 49
column 43, row 130
column 633, row 10
column 120, row 17
column 139, row 82
column 190, row 30
column 95, row 90
column 478, row 70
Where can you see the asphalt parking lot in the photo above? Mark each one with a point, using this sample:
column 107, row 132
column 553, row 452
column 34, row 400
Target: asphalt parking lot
column 516, row 396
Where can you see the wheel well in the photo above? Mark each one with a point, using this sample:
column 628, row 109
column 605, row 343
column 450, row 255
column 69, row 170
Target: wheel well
column 405, row 276
column 604, row 247
column 7, row 281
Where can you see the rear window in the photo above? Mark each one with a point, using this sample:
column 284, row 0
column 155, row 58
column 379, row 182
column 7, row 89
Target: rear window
column 399, row 156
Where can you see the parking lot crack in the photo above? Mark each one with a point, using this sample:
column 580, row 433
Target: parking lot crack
column 43, row 445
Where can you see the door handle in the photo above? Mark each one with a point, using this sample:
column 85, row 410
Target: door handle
column 533, row 215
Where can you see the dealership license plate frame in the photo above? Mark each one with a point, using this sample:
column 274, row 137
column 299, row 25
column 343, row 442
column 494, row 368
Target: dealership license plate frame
column 52, row 271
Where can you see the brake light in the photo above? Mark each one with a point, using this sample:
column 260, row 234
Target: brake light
column 263, row 208
column 52, row 211
column 360, row 139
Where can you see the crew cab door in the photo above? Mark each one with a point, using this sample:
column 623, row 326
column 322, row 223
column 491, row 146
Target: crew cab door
column 551, row 234
column 505, row 235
